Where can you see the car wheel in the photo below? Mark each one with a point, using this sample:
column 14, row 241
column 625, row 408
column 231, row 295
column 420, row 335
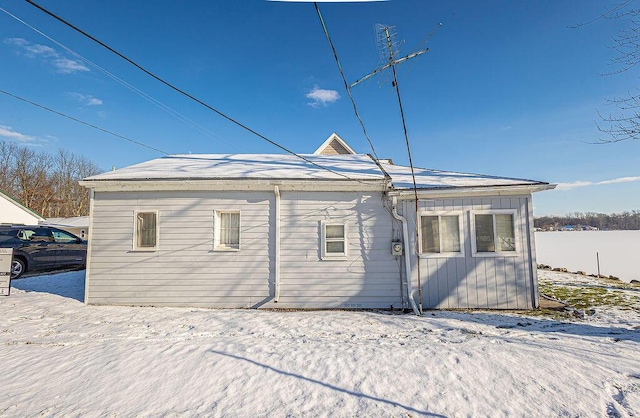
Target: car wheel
column 18, row 267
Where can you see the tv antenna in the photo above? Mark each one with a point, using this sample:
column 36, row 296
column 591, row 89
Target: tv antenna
column 388, row 46
column 385, row 41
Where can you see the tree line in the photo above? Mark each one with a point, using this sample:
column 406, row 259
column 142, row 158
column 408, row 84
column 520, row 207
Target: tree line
column 615, row 221
column 46, row 183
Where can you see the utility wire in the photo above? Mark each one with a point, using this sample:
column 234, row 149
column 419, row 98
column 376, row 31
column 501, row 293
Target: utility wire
column 346, row 85
column 84, row 123
column 114, row 77
column 195, row 99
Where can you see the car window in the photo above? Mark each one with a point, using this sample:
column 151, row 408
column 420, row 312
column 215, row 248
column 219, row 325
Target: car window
column 61, row 236
column 40, row 235
column 25, row 234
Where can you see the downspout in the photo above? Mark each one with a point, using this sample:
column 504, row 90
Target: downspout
column 276, row 295
column 407, row 256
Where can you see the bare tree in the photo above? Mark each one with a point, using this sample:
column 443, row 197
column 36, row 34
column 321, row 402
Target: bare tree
column 8, row 151
column 68, row 170
column 624, row 123
column 35, row 186
column 46, row 184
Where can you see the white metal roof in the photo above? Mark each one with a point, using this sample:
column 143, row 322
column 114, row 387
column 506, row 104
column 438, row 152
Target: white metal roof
column 358, row 167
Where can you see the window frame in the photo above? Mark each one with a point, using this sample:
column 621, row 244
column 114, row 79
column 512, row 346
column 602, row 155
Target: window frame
column 497, row 252
column 324, row 255
column 135, row 246
column 217, row 246
column 461, row 234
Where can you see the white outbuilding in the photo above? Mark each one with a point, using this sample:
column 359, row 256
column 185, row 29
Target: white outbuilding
column 332, row 229
column 12, row 212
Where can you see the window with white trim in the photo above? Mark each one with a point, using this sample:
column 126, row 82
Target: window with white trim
column 226, row 229
column 145, row 230
column 494, row 233
column 441, row 234
column 334, row 240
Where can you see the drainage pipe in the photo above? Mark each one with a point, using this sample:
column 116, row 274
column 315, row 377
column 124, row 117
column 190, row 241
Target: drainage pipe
column 407, row 257
column 276, row 279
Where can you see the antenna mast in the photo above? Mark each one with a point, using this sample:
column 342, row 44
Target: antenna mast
column 385, row 41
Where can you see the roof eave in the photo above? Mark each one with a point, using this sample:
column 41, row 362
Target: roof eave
column 110, row 185
column 454, row 191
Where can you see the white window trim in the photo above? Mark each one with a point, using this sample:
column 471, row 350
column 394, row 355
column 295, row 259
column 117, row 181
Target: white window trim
column 323, row 241
column 461, row 234
column 497, row 253
column 216, row 231
column 135, row 231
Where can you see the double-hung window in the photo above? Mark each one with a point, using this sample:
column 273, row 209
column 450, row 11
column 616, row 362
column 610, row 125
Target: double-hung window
column 334, row 240
column 145, row 230
column 441, row 234
column 494, row 233
column 226, row 230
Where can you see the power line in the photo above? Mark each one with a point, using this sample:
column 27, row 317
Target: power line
column 346, row 85
column 141, row 93
column 84, row 123
column 173, row 87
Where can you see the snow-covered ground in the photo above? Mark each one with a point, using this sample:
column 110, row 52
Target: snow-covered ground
column 62, row 358
column 576, row 250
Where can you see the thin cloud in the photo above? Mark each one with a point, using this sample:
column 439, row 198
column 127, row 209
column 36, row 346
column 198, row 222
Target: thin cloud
column 322, row 97
column 61, row 64
column 67, row 66
column 9, row 133
column 86, row 99
column 573, row 185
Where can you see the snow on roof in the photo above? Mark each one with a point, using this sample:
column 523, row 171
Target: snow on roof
column 435, row 179
column 249, row 166
column 356, row 167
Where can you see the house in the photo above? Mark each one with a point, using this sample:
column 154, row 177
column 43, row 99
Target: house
column 333, row 229
column 77, row 225
column 12, row 212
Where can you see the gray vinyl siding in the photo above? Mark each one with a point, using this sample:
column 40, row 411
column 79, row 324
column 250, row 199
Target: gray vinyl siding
column 368, row 278
column 499, row 282
column 186, row 271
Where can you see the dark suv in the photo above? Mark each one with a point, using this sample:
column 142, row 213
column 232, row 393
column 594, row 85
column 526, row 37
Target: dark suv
column 42, row 248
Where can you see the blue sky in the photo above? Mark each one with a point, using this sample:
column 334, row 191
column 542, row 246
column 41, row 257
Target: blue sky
column 507, row 87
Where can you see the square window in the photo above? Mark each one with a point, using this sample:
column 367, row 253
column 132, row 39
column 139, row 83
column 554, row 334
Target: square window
column 440, row 234
column 146, row 231
column 227, row 230
column 334, row 240
column 494, row 233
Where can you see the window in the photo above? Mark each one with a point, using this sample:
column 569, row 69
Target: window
column 440, row 235
column 226, row 230
column 146, row 231
column 494, row 233
column 334, row 240
column 62, row 236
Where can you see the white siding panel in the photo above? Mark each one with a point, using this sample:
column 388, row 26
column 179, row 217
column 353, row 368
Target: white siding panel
column 187, row 271
column 369, row 277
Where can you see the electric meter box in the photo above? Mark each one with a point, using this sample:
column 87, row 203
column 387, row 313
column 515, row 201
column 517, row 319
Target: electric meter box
column 396, row 248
